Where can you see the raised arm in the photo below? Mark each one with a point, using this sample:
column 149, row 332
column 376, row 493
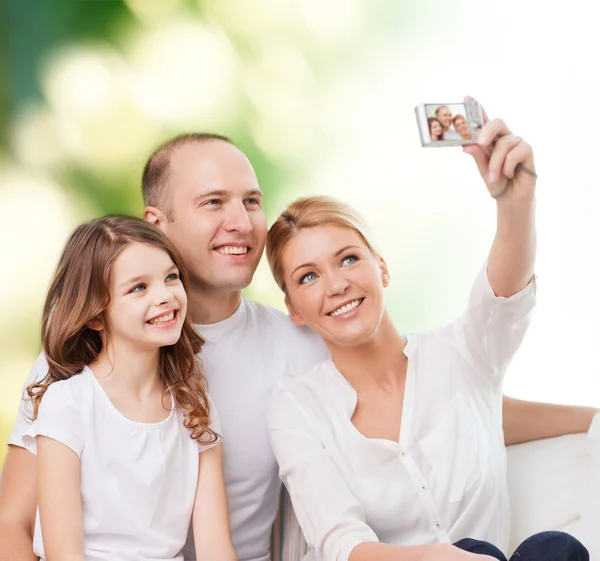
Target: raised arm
column 212, row 536
column 331, row 517
column 506, row 165
column 18, row 502
column 61, row 513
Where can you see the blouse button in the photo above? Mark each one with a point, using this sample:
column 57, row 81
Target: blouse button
column 402, row 452
column 423, row 487
column 437, row 524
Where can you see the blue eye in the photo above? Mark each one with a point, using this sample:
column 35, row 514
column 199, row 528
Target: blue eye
column 254, row 202
column 138, row 288
column 172, row 277
column 349, row 260
column 309, row 277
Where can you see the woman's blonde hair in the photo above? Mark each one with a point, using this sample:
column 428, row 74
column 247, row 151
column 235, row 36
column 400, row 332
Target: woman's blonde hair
column 309, row 212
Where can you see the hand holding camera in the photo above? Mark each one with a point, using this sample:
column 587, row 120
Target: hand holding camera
column 505, row 161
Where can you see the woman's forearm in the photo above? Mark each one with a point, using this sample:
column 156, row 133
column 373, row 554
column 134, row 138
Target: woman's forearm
column 368, row 551
column 524, row 421
column 512, row 258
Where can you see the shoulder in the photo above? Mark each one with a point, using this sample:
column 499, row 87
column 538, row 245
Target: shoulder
column 319, row 390
column 38, row 371
column 74, row 391
column 298, row 338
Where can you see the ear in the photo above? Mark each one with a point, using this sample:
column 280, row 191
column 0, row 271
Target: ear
column 385, row 272
column 155, row 216
column 295, row 316
column 96, row 324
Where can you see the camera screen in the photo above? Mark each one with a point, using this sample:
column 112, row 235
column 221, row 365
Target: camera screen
column 448, row 122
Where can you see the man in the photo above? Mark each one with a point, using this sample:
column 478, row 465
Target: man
column 444, row 116
column 203, row 193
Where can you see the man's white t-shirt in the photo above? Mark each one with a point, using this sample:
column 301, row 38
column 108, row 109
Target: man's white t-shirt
column 244, row 356
column 138, row 480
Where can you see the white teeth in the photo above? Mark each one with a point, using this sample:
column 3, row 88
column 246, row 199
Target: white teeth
column 345, row 309
column 163, row 319
column 232, row 250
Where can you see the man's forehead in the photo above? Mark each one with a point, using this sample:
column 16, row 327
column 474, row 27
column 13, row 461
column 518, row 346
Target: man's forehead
column 211, row 166
column 211, row 159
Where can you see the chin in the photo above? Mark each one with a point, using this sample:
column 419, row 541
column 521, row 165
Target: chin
column 238, row 282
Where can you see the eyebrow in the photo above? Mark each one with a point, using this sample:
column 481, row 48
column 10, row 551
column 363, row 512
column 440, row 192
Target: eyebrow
column 223, row 193
column 139, row 278
column 336, row 254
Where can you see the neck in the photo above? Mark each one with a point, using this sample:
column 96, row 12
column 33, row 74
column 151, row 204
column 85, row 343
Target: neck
column 208, row 307
column 378, row 361
column 134, row 370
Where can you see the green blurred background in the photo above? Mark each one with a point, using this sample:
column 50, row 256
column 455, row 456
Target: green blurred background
column 320, row 96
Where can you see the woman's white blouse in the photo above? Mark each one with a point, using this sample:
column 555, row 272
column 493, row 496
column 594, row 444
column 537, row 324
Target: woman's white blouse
column 446, row 477
column 138, row 480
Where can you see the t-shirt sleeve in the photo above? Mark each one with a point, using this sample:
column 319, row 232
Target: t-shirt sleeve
column 38, row 372
column 493, row 327
column 215, row 425
column 59, row 417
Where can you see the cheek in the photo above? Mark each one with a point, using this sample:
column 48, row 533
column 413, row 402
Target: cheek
column 259, row 224
column 181, row 296
column 121, row 313
column 307, row 301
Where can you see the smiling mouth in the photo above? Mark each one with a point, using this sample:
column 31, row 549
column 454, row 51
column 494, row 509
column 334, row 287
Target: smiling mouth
column 346, row 308
column 232, row 250
column 165, row 318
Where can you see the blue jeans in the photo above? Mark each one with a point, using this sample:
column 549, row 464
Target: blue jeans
column 545, row 546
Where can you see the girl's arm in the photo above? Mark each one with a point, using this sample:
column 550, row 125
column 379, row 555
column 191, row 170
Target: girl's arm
column 212, row 536
column 59, row 490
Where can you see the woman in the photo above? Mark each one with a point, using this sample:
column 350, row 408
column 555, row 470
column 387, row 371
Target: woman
column 393, row 450
column 436, row 130
column 461, row 127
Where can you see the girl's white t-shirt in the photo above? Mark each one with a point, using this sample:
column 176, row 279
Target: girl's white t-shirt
column 138, row 480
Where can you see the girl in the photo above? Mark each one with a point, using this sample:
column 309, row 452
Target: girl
column 393, row 450
column 125, row 446
column 436, row 130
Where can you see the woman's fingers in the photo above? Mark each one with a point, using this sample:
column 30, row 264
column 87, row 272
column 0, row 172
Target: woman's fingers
column 500, row 151
column 480, row 156
column 522, row 153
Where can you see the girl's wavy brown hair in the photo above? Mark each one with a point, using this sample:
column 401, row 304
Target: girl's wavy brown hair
column 80, row 293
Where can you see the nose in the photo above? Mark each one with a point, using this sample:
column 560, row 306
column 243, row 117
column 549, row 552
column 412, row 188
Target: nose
column 164, row 296
column 337, row 283
column 237, row 219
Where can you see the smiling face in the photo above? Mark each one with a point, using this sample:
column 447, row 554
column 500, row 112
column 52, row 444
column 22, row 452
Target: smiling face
column 461, row 127
column 219, row 225
column 435, row 129
column 444, row 114
column 147, row 299
column 334, row 284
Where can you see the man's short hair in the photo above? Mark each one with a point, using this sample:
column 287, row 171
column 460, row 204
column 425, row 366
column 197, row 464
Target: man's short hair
column 156, row 171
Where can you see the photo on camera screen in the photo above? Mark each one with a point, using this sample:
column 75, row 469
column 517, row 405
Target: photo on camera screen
column 448, row 122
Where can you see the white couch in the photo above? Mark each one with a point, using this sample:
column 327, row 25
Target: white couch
column 554, row 484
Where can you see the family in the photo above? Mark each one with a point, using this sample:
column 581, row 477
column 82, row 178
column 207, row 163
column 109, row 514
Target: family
column 166, row 409
column 445, row 126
